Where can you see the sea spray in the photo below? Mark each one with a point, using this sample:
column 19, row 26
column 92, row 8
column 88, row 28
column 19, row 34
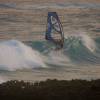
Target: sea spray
column 56, row 57
column 16, row 55
column 81, row 48
column 87, row 41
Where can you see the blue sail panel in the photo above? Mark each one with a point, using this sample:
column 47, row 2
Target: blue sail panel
column 54, row 31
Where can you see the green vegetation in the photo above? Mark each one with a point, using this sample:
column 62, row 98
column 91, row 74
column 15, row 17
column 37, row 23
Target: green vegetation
column 51, row 90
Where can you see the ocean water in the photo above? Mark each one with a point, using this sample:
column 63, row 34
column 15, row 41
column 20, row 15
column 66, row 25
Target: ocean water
column 26, row 55
column 38, row 60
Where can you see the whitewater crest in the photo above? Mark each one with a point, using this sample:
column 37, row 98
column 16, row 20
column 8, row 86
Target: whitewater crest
column 16, row 55
column 81, row 48
column 82, row 37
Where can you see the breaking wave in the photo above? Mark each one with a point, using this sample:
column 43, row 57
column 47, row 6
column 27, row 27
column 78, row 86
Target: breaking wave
column 78, row 49
column 82, row 49
column 16, row 55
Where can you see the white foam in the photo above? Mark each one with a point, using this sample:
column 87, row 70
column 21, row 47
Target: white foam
column 87, row 41
column 16, row 55
column 57, row 58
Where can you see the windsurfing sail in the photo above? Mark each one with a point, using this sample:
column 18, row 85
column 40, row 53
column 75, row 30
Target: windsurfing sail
column 54, row 31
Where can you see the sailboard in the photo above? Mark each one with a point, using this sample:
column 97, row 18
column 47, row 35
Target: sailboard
column 54, row 31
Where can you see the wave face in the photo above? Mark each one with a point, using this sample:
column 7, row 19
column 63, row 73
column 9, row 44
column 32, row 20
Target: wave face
column 15, row 55
column 78, row 49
